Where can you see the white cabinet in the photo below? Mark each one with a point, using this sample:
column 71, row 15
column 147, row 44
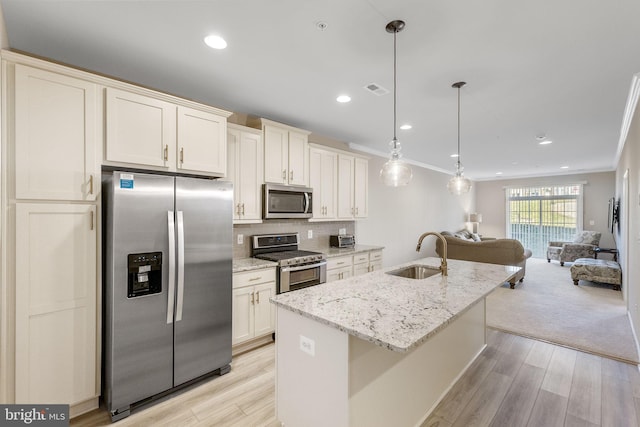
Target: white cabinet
column 339, row 268
column 361, row 263
column 55, row 136
column 56, row 316
column 286, row 153
column 145, row 131
column 245, row 169
column 353, row 187
column 253, row 314
column 323, row 178
column 375, row 260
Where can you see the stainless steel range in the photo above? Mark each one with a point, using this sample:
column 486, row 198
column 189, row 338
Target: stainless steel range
column 296, row 269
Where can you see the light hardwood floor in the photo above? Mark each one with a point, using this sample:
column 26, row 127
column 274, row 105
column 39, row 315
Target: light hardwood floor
column 516, row 381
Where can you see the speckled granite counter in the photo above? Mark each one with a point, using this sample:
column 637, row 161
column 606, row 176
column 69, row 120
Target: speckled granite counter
column 248, row 264
column 394, row 312
column 335, row 252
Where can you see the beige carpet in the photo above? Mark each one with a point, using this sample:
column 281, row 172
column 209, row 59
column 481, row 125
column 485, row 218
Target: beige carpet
column 590, row 317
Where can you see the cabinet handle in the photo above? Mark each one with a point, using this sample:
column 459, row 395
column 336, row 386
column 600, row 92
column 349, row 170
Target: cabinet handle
column 182, row 155
column 238, row 209
column 356, row 211
column 166, row 152
column 340, row 263
column 91, row 222
column 284, row 174
column 257, row 297
column 253, row 279
column 290, row 175
column 90, row 184
column 252, row 300
column 352, row 211
column 243, row 209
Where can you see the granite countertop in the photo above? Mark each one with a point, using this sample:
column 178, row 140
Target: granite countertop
column 248, row 264
column 335, row 252
column 395, row 312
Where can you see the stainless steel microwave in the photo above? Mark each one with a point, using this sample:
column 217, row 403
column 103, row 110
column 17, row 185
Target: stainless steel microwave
column 283, row 201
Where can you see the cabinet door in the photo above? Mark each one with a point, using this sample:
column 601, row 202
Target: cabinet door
column 345, row 187
column 202, row 142
column 361, row 187
column 276, row 154
column 264, row 312
column 140, row 130
column 233, row 171
column 298, row 159
column 315, row 182
column 55, row 136
column 243, row 300
column 56, row 313
column 339, row 274
column 250, row 167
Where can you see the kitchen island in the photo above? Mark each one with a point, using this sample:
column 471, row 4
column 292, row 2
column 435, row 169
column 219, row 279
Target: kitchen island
column 378, row 349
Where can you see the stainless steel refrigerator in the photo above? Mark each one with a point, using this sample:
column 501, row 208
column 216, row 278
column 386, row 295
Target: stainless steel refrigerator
column 167, row 261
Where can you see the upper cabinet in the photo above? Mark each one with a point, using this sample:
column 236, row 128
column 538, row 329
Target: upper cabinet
column 149, row 132
column 286, row 153
column 353, row 186
column 323, row 178
column 245, row 162
column 55, row 136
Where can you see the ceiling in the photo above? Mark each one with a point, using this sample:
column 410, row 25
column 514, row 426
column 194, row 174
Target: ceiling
column 557, row 68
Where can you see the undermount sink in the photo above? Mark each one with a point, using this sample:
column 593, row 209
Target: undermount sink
column 415, row 272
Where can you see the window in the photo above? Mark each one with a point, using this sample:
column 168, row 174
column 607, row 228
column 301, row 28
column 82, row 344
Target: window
column 537, row 215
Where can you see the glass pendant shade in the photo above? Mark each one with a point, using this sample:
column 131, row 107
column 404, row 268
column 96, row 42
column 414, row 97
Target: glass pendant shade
column 395, row 172
column 459, row 184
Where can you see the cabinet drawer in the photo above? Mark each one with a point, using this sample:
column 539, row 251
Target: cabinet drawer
column 375, row 256
column 254, row 277
column 361, row 258
column 339, row 262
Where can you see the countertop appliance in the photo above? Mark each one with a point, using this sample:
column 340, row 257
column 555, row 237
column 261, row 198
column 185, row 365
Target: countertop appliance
column 286, row 201
column 296, row 269
column 167, row 285
column 342, row 240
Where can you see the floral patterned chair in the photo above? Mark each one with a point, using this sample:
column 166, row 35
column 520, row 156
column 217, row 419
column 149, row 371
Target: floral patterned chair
column 583, row 246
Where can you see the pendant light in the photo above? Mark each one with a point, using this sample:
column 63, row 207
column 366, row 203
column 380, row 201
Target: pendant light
column 459, row 184
column 395, row 172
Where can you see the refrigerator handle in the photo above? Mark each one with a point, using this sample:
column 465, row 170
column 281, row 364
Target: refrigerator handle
column 171, row 228
column 180, row 221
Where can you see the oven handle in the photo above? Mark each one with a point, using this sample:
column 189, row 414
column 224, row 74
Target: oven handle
column 303, row 267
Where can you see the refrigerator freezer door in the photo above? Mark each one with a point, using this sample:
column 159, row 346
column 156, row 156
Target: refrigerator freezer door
column 203, row 334
column 138, row 338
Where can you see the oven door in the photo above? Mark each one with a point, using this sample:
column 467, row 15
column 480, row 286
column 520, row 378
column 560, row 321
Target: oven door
column 301, row 276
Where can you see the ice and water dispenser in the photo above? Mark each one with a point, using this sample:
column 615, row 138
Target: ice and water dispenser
column 145, row 274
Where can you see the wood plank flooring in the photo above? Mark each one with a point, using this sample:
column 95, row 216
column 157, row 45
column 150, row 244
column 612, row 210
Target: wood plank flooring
column 516, row 381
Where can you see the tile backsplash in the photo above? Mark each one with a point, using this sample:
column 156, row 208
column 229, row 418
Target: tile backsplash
column 320, row 230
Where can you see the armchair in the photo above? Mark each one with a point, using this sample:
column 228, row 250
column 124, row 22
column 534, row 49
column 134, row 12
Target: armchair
column 583, row 246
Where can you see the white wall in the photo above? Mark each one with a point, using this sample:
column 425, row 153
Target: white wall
column 398, row 216
column 599, row 188
column 630, row 219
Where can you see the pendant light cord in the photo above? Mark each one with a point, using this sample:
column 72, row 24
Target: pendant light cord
column 458, row 127
column 395, row 139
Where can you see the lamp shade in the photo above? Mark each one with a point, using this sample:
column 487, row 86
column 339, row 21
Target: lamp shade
column 475, row 217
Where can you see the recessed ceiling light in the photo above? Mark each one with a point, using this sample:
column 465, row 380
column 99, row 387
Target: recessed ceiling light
column 498, row 173
column 545, row 142
column 406, row 126
column 343, row 98
column 564, row 167
column 215, row 42
column 453, row 155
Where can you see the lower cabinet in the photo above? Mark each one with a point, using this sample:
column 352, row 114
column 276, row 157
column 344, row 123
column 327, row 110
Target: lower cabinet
column 253, row 314
column 339, row 268
column 56, row 304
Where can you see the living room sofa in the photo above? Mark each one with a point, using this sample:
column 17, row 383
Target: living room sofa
column 469, row 247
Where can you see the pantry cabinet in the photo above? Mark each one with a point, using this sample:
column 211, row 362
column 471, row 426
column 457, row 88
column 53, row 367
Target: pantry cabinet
column 56, row 317
column 323, row 178
column 286, row 153
column 55, row 128
column 148, row 132
column 253, row 314
column 245, row 169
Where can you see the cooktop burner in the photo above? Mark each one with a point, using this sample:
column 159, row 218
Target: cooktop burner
column 283, row 249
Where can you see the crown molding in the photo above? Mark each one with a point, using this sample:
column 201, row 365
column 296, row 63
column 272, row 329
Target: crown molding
column 629, row 111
